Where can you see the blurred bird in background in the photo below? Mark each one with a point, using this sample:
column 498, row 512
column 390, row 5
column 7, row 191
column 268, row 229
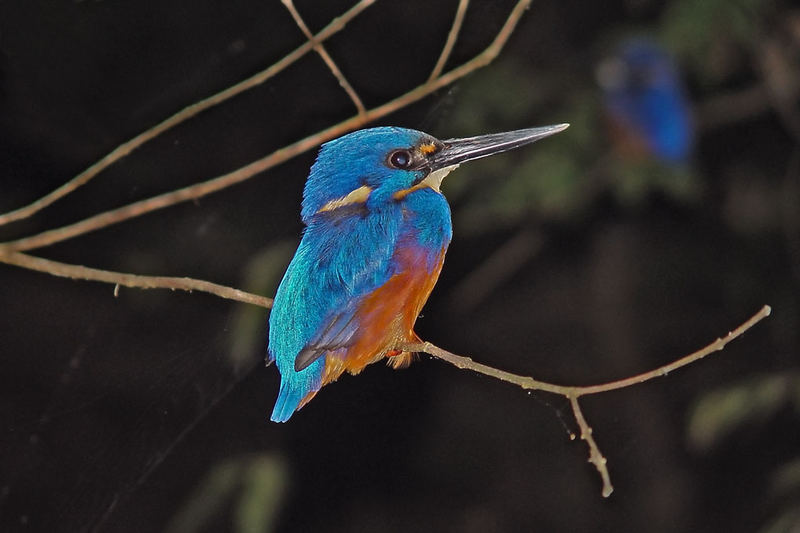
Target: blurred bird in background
column 377, row 230
column 645, row 103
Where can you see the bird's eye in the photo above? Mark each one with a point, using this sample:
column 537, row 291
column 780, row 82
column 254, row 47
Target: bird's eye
column 400, row 159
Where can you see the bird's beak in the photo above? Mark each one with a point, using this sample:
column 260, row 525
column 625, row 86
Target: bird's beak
column 458, row 151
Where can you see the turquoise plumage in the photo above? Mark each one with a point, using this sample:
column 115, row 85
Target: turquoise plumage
column 377, row 229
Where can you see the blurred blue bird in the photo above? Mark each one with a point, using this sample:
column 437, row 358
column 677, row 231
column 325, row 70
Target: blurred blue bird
column 377, row 229
column 646, row 103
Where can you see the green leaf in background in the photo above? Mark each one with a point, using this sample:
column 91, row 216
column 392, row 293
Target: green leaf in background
column 255, row 485
column 261, row 276
column 263, row 488
column 721, row 412
column 702, row 31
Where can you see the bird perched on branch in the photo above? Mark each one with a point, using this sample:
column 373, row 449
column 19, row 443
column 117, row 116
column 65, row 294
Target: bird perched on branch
column 377, row 229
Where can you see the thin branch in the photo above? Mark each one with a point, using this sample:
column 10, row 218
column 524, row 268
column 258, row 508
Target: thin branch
column 595, row 456
column 66, row 270
column 279, row 156
column 528, row 383
column 325, row 57
column 458, row 21
column 126, row 148
column 661, row 371
column 9, row 252
column 572, row 393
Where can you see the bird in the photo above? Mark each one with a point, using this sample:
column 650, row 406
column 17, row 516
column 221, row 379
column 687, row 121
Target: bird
column 645, row 101
column 377, row 228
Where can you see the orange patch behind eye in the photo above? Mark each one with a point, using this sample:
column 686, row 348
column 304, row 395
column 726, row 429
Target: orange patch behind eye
column 427, row 148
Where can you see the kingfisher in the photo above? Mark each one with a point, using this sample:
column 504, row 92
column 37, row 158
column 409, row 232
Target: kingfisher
column 646, row 102
column 377, row 228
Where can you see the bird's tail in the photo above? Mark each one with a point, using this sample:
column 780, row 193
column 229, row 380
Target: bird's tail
column 289, row 398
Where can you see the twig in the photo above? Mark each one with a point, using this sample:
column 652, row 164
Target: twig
column 715, row 346
column 572, row 393
column 458, row 21
column 9, row 252
column 279, row 156
column 126, row 148
column 325, row 57
column 529, row 383
column 66, row 270
column 595, row 456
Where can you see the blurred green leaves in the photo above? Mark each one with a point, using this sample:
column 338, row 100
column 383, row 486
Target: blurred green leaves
column 720, row 413
column 749, row 405
column 251, row 488
column 698, row 31
column 261, row 276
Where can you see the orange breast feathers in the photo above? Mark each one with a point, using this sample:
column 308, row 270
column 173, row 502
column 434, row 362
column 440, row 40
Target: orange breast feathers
column 386, row 317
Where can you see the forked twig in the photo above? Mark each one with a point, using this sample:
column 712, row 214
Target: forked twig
column 9, row 252
column 127, row 147
column 199, row 190
column 572, row 393
column 320, row 49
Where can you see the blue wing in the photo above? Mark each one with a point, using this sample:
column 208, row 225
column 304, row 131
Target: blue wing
column 340, row 260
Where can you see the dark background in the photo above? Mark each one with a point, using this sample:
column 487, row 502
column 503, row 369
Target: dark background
column 148, row 411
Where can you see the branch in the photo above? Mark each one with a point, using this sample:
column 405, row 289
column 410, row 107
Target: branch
column 595, row 456
column 66, row 270
column 325, row 57
column 9, row 252
column 451, row 39
column 126, row 148
column 528, row 383
column 279, row 156
column 572, row 393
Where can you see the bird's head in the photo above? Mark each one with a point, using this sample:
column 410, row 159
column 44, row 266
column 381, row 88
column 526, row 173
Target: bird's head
column 376, row 166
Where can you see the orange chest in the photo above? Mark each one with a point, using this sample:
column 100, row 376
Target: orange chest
column 386, row 317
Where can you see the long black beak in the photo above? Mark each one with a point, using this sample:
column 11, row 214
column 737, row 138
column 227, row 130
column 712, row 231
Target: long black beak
column 457, row 151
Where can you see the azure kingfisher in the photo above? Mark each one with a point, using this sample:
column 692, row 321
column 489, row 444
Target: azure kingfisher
column 376, row 231
column 646, row 103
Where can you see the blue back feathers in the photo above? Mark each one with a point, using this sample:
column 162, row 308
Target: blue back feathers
column 347, row 252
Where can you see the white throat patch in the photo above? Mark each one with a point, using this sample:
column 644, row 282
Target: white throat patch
column 434, row 179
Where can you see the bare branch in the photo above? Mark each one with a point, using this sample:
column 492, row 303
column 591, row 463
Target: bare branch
column 459, row 361
column 715, row 346
column 279, row 156
column 451, row 39
column 325, row 57
column 10, row 251
column 572, row 393
column 595, row 456
column 66, row 270
column 126, row 148
column 528, row 383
